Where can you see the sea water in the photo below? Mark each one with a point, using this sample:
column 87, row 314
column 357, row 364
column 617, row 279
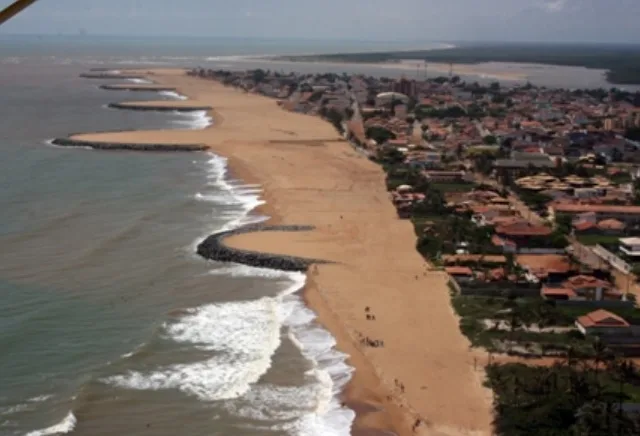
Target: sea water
column 110, row 323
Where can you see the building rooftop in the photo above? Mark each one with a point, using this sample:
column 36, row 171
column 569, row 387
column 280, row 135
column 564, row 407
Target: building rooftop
column 459, row 270
column 630, row 241
column 558, row 292
column 602, row 318
column 585, row 281
column 552, row 263
column 597, row 208
column 523, row 228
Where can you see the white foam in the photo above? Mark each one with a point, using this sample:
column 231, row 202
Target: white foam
column 65, row 426
column 173, row 95
column 40, row 399
column 197, row 120
column 49, row 142
column 140, row 81
column 308, row 410
column 242, row 198
column 242, row 337
column 313, row 409
column 329, row 370
column 238, row 270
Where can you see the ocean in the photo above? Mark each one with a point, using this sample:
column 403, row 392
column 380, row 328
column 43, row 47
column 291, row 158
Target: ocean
column 109, row 321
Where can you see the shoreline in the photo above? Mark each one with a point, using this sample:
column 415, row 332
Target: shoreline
column 363, row 393
column 262, row 154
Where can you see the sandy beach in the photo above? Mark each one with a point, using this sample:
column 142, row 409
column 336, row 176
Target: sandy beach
column 311, row 176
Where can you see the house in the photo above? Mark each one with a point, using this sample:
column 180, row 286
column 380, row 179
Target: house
column 552, row 268
column 624, row 214
column 447, row 176
column 460, row 273
column 589, row 287
column 553, row 293
column 630, row 246
column 522, row 231
column 603, row 322
column 585, row 228
column 611, row 226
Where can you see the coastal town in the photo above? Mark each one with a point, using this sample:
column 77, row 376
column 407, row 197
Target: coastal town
column 529, row 200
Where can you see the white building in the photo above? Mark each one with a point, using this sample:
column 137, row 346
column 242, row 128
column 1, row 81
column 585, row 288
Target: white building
column 630, row 246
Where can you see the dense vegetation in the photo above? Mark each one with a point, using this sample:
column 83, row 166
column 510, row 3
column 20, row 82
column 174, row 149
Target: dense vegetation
column 622, row 61
column 568, row 398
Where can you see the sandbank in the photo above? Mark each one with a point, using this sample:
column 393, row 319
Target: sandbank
column 310, row 177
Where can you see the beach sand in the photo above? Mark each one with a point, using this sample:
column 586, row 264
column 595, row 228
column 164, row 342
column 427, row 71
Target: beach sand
column 310, row 176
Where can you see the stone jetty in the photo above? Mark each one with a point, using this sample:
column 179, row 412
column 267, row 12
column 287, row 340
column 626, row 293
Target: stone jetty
column 98, row 145
column 138, row 87
column 161, row 106
column 213, row 248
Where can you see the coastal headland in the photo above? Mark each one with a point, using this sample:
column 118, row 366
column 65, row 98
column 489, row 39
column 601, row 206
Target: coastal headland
column 374, row 287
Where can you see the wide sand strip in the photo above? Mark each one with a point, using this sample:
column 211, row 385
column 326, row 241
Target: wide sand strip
column 311, row 177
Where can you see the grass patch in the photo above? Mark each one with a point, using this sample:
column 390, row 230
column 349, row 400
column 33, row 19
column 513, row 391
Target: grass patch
column 598, row 239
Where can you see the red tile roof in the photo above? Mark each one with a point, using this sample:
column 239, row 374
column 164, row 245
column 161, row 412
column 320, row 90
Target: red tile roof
column 523, row 228
column 459, row 270
column 584, row 281
column 558, row 292
column 611, row 224
column 598, row 208
column 602, row 318
column 584, row 225
column 499, row 242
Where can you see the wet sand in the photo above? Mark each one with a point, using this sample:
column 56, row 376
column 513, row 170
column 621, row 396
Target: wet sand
column 310, row 176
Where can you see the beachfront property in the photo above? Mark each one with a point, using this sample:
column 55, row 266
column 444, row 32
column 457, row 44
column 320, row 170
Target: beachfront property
column 582, row 288
column 603, row 323
column 627, row 214
column 488, row 178
column 630, row 247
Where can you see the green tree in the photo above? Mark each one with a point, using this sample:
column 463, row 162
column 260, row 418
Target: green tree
column 335, row 118
column 379, row 134
column 490, row 140
column 564, row 223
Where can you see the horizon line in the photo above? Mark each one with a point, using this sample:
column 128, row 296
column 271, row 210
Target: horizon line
column 78, row 35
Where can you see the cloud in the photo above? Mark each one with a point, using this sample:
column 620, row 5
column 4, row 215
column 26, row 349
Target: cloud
column 553, row 6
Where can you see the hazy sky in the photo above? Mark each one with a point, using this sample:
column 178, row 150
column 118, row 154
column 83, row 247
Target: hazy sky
column 428, row 20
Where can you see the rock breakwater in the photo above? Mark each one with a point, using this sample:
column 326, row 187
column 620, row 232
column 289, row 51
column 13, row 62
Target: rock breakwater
column 213, row 248
column 168, row 107
column 70, row 142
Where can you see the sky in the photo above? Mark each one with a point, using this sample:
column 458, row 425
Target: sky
column 364, row 20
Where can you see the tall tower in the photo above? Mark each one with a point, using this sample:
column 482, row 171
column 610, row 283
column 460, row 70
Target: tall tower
column 450, row 70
